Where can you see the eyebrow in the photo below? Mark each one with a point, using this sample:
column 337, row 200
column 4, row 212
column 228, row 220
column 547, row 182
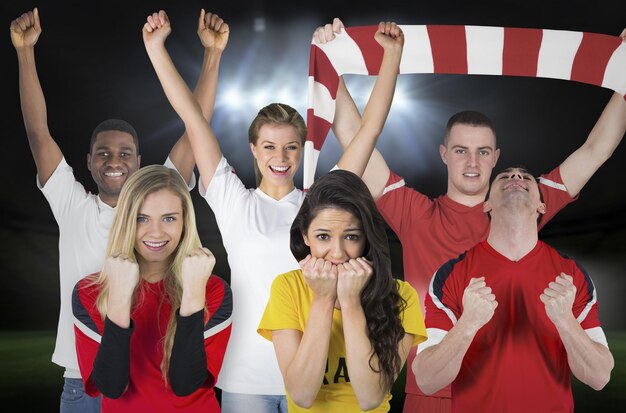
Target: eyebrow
column 467, row 147
column 125, row 148
column 163, row 215
column 346, row 230
column 274, row 143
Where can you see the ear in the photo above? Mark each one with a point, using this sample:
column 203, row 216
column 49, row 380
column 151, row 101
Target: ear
column 541, row 208
column 89, row 162
column 442, row 152
column 487, row 207
column 306, row 240
column 138, row 161
column 253, row 149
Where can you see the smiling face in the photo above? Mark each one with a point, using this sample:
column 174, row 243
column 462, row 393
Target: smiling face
column 159, row 230
column 469, row 155
column 278, row 151
column 335, row 235
column 514, row 189
column 112, row 159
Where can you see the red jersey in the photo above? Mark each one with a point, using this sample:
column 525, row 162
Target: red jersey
column 517, row 361
column 435, row 231
column 146, row 390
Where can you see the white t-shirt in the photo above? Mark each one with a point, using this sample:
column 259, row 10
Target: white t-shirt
column 84, row 222
column 255, row 230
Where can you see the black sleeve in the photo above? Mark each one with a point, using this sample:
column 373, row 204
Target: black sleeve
column 112, row 364
column 188, row 371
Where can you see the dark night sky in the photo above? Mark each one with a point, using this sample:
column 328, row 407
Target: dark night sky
column 92, row 66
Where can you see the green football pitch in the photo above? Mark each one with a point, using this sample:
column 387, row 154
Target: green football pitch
column 31, row 383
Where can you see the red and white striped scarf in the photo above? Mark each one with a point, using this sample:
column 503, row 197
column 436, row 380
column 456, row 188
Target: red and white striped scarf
column 597, row 59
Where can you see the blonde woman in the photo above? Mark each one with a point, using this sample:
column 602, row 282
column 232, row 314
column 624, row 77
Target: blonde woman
column 152, row 327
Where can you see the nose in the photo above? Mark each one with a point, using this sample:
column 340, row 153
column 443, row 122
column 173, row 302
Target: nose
column 114, row 160
column 337, row 252
column 155, row 227
column 472, row 158
column 515, row 175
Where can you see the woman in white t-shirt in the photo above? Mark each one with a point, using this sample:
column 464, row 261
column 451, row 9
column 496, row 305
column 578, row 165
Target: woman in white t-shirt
column 255, row 223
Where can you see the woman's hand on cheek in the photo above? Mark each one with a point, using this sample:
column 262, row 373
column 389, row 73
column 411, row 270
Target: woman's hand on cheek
column 321, row 276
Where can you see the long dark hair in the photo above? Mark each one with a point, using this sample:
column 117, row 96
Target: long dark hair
column 380, row 299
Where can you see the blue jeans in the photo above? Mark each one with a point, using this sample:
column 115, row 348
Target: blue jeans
column 75, row 400
column 257, row 403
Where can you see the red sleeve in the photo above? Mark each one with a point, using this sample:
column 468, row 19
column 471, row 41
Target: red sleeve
column 400, row 205
column 554, row 194
column 88, row 327
column 444, row 298
column 585, row 306
column 217, row 326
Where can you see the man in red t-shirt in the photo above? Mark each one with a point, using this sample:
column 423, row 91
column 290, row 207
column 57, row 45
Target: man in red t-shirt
column 512, row 317
column 435, row 231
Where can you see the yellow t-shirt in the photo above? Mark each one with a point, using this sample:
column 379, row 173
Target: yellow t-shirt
column 288, row 308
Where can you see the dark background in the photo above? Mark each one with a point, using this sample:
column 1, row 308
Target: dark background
column 92, row 66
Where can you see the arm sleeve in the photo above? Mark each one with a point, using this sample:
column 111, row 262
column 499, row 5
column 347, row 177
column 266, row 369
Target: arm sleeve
column 224, row 191
column 192, row 181
column 412, row 318
column 63, row 192
column 217, row 326
column 111, row 367
column 188, row 362
column 103, row 348
column 585, row 306
column 282, row 311
column 400, row 205
column 554, row 194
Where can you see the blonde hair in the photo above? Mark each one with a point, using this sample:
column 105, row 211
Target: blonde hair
column 139, row 185
column 275, row 114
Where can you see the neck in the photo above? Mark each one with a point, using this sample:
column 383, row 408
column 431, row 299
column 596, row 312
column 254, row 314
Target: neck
column 110, row 200
column 152, row 272
column 469, row 200
column 512, row 234
column 276, row 192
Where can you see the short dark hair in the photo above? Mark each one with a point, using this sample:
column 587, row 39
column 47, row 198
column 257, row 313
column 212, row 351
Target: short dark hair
column 468, row 117
column 524, row 169
column 380, row 298
column 114, row 124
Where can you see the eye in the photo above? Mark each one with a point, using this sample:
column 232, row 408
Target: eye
column 353, row 237
column 103, row 154
column 269, row 147
column 123, row 155
column 292, row 147
column 169, row 219
column 142, row 218
column 485, row 153
column 459, row 151
column 322, row 237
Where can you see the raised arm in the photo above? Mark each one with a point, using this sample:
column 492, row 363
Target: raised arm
column 347, row 123
column 355, row 156
column 437, row 366
column 204, row 144
column 608, row 132
column 25, row 31
column 302, row 356
column 213, row 34
column 363, row 363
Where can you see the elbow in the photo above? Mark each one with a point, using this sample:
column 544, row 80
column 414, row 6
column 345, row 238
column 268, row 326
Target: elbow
column 304, row 401
column 113, row 393
column 423, row 381
column 181, row 390
column 370, row 403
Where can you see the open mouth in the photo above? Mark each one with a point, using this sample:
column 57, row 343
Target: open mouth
column 515, row 185
column 155, row 246
column 471, row 174
column 279, row 170
column 113, row 174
